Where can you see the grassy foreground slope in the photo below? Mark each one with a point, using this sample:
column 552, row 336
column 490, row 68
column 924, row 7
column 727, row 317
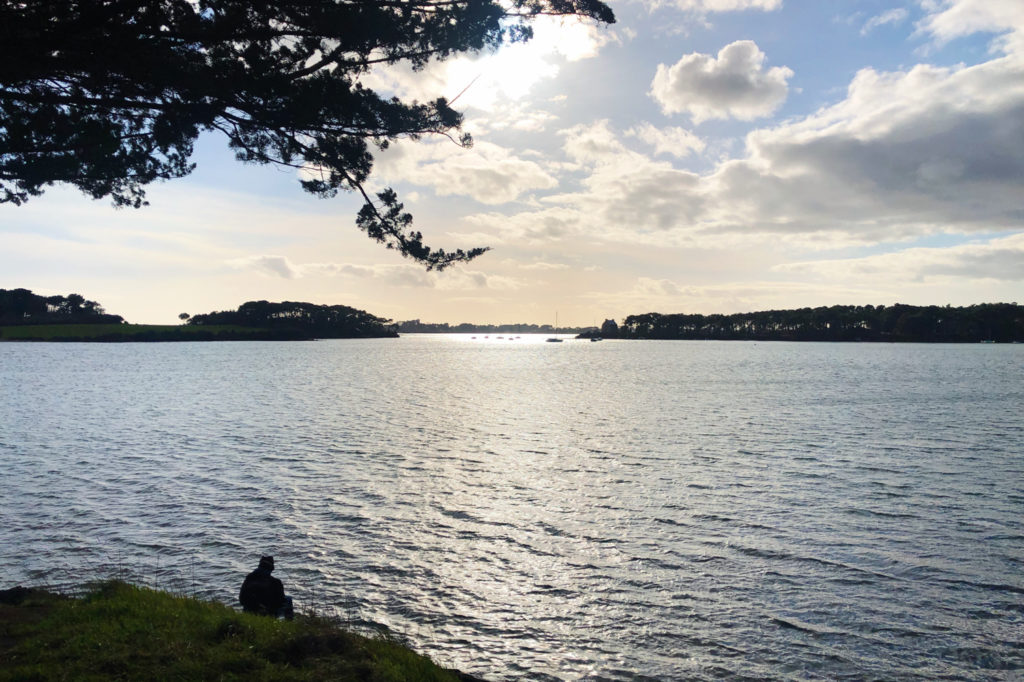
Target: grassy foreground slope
column 120, row 631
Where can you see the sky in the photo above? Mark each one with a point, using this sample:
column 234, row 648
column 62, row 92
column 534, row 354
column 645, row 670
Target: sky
column 698, row 156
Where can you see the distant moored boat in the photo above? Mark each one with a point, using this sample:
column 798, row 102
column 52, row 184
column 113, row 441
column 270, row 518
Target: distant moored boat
column 555, row 339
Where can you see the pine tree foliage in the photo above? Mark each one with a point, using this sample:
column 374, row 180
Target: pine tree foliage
column 110, row 95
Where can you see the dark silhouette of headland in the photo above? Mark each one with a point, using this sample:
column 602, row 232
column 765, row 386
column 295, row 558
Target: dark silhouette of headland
column 22, row 307
column 25, row 316
column 985, row 322
column 303, row 320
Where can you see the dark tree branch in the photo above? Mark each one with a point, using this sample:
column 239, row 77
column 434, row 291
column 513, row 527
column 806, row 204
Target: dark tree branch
column 110, row 95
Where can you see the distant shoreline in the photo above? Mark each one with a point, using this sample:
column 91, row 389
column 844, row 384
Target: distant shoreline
column 157, row 333
column 153, row 333
column 25, row 316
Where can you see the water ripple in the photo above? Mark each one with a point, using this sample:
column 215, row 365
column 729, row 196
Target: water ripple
column 614, row 511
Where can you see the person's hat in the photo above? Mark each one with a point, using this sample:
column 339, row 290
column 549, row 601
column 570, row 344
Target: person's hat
column 267, row 562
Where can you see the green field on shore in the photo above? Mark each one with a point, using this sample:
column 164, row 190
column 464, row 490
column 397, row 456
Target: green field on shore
column 120, row 631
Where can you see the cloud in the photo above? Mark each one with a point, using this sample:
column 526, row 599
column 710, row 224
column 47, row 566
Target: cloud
column 671, row 296
column 277, row 266
column 733, row 85
column 678, row 142
column 636, row 195
column 460, row 280
column 521, row 116
column 544, row 266
column 916, row 151
column 592, row 143
column 904, row 154
column 998, row 259
column 488, row 81
column 657, row 287
column 487, row 173
column 570, row 38
column 547, row 224
column 706, row 6
column 892, row 16
column 400, row 275
column 950, row 19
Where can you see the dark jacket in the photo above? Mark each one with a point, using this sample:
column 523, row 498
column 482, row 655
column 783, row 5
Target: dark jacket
column 261, row 592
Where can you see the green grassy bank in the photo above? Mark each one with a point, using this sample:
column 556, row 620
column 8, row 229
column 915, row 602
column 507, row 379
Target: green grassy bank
column 141, row 332
column 120, row 631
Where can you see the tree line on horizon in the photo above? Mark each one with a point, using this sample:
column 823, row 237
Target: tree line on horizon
column 284, row 321
column 308, row 320
column 996, row 322
column 21, row 307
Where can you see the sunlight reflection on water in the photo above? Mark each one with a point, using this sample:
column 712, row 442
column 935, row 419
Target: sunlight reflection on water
column 518, row 509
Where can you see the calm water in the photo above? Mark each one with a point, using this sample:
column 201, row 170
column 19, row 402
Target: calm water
column 524, row 510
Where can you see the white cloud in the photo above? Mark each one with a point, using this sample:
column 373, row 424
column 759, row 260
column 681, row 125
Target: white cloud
column 488, row 173
column 522, row 116
column 892, row 16
column 678, row 142
column 672, row 296
column 915, row 151
column 570, row 38
column 949, row 19
column 636, row 195
column 489, row 81
column 657, row 287
column 460, row 280
column 904, row 154
column 733, row 85
column 706, row 6
column 400, row 275
column 593, row 143
column 544, row 266
column 277, row 266
column 998, row 259
column 546, row 224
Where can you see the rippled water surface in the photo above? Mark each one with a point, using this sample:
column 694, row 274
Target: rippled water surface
column 524, row 510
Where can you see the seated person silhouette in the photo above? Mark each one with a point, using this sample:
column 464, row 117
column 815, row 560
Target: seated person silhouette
column 264, row 594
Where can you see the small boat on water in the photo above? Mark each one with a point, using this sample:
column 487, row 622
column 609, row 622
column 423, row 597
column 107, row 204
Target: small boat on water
column 555, row 339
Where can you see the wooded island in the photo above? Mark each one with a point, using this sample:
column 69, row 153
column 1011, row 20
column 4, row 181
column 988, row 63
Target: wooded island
column 25, row 316
column 984, row 322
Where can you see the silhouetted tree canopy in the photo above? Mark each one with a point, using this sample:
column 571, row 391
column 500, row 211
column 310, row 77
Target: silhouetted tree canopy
column 1002, row 322
column 110, row 95
column 306, row 319
column 610, row 329
column 21, row 306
